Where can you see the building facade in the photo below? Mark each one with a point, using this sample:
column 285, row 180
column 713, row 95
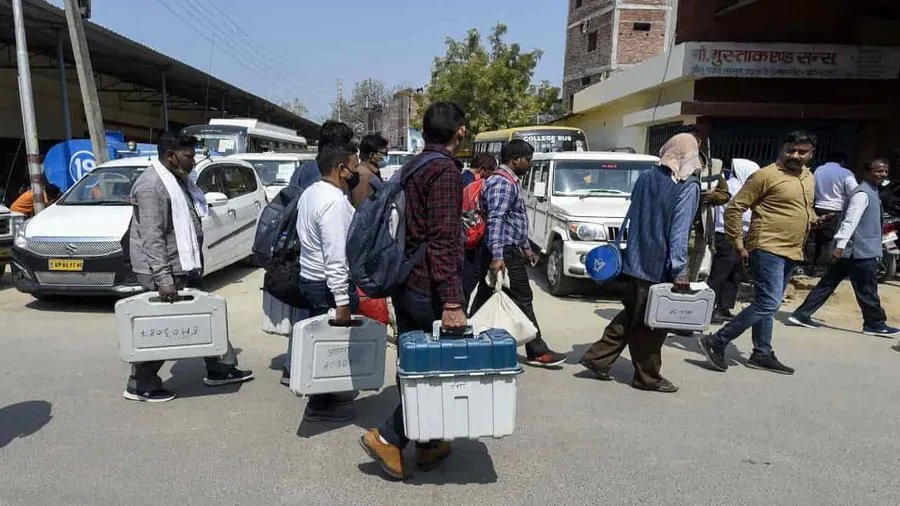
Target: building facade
column 398, row 117
column 606, row 36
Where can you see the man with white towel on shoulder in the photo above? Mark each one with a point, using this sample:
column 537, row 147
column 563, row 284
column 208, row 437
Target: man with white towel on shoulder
column 166, row 238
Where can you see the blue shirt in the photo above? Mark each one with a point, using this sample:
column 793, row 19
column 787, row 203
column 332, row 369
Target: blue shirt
column 306, row 174
column 507, row 222
column 657, row 245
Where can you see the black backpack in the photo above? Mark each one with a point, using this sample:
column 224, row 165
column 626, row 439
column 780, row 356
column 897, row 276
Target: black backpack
column 276, row 247
column 376, row 242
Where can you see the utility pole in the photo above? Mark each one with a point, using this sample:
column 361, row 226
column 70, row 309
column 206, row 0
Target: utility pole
column 86, row 81
column 27, row 101
column 340, row 99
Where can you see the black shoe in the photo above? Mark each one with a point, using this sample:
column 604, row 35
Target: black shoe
column 285, row 378
column 600, row 373
column 329, row 414
column 713, row 352
column 344, row 398
column 684, row 333
column 549, row 359
column 768, row 363
column 717, row 318
column 161, row 395
column 234, row 375
column 802, row 321
column 664, row 386
column 726, row 314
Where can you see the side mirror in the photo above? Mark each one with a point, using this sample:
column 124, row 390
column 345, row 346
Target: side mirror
column 214, row 199
column 540, row 191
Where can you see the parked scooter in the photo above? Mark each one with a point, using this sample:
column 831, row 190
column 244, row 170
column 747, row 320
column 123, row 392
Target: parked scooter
column 887, row 270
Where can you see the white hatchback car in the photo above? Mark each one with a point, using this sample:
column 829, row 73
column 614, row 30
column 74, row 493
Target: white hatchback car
column 79, row 245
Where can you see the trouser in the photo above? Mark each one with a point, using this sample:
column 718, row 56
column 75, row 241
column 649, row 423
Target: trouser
column 415, row 311
column 519, row 291
column 145, row 375
column 771, row 274
column 628, row 329
column 696, row 251
column 818, row 244
column 726, row 273
column 317, row 300
column 864, row 278
column 472, row 267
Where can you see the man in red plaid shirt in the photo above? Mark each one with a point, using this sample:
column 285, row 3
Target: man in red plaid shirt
column 434, row 289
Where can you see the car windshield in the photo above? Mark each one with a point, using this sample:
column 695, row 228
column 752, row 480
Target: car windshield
column 274, row 172
column 398, row 158
column 220, row 144
column 586, row 178
column 109, row 186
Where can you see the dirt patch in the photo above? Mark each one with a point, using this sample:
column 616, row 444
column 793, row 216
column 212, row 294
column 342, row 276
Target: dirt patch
column 841, row 310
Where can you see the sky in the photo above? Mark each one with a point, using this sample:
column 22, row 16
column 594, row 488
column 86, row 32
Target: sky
column 286, row 49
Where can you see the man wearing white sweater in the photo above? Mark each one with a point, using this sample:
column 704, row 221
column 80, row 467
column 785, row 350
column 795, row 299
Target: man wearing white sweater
column 324, row 214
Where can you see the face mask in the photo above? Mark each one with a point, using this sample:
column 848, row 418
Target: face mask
column 382, row 164
column 353, row 181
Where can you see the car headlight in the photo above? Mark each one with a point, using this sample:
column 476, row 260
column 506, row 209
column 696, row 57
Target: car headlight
column 588, row 232
column 18, row 227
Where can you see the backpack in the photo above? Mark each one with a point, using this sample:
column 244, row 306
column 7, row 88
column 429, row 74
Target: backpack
column 276, row 247
column 474, row 220
column 376, row 241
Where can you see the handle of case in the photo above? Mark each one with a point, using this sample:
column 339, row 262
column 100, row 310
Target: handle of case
column 437, row 332
column 179, row 298
column 350, row 324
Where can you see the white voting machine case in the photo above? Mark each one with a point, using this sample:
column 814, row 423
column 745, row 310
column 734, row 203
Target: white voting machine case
column 150, row 329
column 670, row 310
column 328, row 359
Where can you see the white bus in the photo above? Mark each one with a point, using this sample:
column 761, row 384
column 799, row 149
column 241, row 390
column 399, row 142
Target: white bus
column 226, row 137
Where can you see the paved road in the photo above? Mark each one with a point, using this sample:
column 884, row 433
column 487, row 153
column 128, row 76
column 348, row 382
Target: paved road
column 827, row 436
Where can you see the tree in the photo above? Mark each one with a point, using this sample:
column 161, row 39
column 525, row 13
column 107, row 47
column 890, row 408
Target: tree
column 359, row 112
column 295, row 106
column 493, row 86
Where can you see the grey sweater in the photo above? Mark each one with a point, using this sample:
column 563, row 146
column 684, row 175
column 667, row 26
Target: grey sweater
column 152, row 242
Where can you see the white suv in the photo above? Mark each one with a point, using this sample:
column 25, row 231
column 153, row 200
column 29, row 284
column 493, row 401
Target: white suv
column 575, row 202
column 79, row 245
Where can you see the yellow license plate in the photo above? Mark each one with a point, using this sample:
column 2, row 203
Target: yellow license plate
column 66, row 265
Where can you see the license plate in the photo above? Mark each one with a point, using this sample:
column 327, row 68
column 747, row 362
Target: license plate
column 5, row 252
column 66, row 265
column 891, row 237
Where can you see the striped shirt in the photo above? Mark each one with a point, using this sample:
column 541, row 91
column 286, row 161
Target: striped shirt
column 507, row 222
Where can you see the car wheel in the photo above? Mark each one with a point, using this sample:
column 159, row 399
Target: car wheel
column 559, row 284
column 887, row 268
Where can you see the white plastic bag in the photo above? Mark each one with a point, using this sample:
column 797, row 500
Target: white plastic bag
column 500, row 312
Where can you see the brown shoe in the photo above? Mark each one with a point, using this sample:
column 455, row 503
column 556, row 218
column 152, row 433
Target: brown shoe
column 428, row 458
column 389, row 456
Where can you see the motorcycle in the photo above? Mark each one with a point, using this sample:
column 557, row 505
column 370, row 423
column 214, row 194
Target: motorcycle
column 887, row 268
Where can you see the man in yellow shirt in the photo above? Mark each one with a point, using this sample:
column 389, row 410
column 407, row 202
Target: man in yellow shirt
column 25, row 203
column 781, row 198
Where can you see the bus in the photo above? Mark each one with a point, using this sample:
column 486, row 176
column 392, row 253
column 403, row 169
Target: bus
column 544, row 139
column 227, row 137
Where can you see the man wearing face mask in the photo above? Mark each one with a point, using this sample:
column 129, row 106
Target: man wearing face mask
column 372, row 150
column 332, row 132
column 323, row 218
column 166, row 244
column 781, row 198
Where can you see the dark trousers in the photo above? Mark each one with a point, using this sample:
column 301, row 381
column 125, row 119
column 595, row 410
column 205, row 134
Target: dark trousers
column 726, row 273
column 628, row 329
column 863, row 276
column 145, row 375
column 318, row 299
column 415, row 311
column 472, row 260
column 818, row 244
column 519, row 291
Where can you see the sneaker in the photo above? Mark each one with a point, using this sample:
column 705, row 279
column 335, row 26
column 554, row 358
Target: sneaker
column 333, row 414
column 713, row 352
column 717, row 318
column 883, row 330
column 234, row 375
column 802, row 321
column 726, row 314
column 549, row 359
column 285, row 378
column 428, row 458
column 387, row 455
column 161, row 395
column 602, row 375
column 768, row 363
column 684, row 333
column 663, row 386
column 344, row 398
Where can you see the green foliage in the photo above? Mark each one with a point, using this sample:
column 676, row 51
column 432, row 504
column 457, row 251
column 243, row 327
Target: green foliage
column 493, row 85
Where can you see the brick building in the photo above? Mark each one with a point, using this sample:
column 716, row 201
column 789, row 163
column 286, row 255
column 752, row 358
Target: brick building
column 748, row 71
column 605, row 36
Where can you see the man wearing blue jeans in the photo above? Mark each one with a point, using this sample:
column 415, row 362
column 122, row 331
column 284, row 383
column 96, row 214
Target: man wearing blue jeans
column 857, row 250
column 781, row 198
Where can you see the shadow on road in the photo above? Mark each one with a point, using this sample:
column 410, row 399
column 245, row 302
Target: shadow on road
column 370, row 411
column 587, row 291
column 22, row 420
column 228, row 276
column 470, row 463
